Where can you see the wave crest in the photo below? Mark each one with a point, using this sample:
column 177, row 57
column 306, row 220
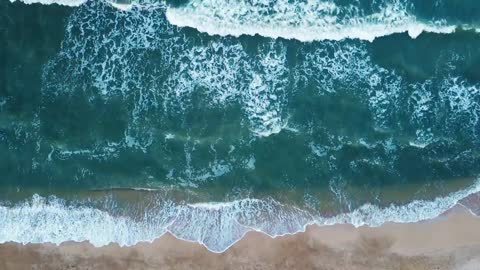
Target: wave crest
column 70, row 3
column 301, row 20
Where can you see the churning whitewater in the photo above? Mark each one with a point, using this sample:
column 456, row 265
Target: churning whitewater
column 304, row 20
column 217, row 226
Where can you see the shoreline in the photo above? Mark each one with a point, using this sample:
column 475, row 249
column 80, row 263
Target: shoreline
column 450, row 241
column 221, row 229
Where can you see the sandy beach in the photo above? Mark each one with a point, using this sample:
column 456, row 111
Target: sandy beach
column 451, row 241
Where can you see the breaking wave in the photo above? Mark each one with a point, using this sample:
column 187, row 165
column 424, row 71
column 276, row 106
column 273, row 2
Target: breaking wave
column 71, row 3
column 217, row 226
column 161, row 72
column 303, row 20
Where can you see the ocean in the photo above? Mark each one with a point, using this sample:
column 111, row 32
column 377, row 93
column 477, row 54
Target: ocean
column 121, row 121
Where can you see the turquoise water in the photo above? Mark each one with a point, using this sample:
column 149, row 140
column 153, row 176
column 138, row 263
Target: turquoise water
column 210, row 118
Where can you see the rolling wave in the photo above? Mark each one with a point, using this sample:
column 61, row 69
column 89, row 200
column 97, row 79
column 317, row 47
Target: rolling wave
column 302, row 20
column 162, row 72
column 70, row 3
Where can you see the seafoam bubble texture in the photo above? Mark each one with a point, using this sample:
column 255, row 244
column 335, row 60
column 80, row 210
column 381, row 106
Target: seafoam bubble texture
column 118, row 63
column 215, row 225
column 163, row 74
column 71, row 3
column 303, row 20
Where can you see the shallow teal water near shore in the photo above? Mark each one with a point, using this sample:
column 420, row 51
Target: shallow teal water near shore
column 95, row 98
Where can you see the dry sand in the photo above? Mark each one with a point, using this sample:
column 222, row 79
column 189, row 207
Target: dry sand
column 451, row 241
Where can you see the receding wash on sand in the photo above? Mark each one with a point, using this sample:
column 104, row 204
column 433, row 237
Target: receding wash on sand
column 259, row 134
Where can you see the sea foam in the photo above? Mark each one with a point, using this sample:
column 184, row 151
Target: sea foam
column 71, row 3
column 301, row 20
column 159, row 70
column 217, row 226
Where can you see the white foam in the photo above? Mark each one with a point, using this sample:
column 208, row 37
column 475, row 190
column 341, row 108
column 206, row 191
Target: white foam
column 462, row 99
column 305, row 21
column 302, row 20
column 215, row 225
column 124, row 7
column 3, row 102
column 220, row 70
column 75, row 3
column 41, row 220
column 414, row 211
column 226, row 74
column 264, row 98
column 71, row 3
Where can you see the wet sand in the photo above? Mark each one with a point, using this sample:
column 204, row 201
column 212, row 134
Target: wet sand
column 451, row 241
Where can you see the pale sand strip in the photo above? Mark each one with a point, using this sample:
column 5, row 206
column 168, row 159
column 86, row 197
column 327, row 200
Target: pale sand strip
column 451, row 241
